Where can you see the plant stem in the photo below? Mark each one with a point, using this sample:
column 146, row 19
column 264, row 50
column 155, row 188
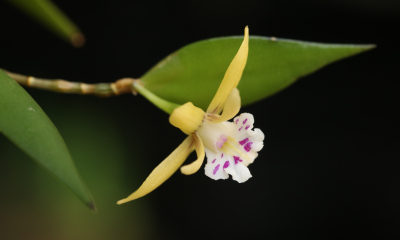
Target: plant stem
column 121, row 86
column 162, row 104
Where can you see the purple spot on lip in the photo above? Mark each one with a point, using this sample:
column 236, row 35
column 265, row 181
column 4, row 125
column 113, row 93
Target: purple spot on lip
column 240, row 128
column 247, row 127
column 214, row 161
column 216, row 169
column 248, row 146
column 220, row 143
column 244, row 141
column 237, row 120
column 226, row 164
column 245, row 121
column 237, row 159
column 222, row 155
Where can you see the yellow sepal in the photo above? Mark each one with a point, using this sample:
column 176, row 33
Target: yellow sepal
column 187, row 118
column 232, row 76
column 195, row 166
column 231, row 109
column 164, row 170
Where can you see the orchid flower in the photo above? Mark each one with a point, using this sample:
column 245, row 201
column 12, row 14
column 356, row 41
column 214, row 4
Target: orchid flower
column 230, row 146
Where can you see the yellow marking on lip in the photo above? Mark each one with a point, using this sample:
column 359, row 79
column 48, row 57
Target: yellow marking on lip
column 230, row 148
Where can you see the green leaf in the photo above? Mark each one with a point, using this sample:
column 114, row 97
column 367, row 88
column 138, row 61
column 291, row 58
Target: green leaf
column 48, row 14
column 194, row 72
column 27, row 126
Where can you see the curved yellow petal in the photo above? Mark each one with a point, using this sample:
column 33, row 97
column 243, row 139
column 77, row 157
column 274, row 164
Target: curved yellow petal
column 231, row 108
column 232, row 76
column 195, row 166
column 164, row 170
column 187, row 118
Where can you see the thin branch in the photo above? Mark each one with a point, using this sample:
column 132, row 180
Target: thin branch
column 121, row 86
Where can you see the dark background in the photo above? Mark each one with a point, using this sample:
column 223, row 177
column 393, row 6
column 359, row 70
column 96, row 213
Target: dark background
column 330, row 165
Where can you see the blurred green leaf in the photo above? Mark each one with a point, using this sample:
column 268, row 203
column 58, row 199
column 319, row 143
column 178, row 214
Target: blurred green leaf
column 48, row 14
column 27, row 126
column 194, row 72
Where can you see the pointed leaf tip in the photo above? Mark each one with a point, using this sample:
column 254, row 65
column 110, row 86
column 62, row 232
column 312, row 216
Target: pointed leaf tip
column 194, row 72
column 27, row 126
column 78, row 39
column 50, row 16
column 92, row 206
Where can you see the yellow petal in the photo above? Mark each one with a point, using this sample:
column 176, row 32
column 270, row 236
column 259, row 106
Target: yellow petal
column 232, row 107
column 195, row 166
column 232, row 76
column 164, row 170
column 187, row 118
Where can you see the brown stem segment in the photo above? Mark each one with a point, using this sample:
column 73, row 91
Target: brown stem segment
column 121, row 86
